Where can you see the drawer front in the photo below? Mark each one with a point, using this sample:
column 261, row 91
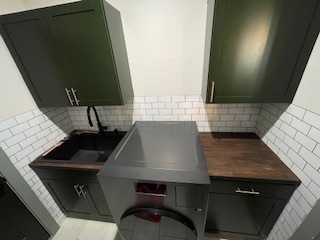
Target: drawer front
column 252, row 188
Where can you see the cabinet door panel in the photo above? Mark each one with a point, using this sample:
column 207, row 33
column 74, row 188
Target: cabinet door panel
column 68, row 199
column 33, row 49
column 240, row 214
column 98, row 199
column 81, row 33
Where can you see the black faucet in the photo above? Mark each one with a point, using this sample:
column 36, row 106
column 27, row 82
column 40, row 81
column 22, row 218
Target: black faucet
column 101, row 128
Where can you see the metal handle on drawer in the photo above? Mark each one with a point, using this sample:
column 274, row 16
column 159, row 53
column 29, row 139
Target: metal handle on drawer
column 69, row 97
column 77, row 191
column 238, row 190
column 212, row 91
column 82, row 191
column 75, row 96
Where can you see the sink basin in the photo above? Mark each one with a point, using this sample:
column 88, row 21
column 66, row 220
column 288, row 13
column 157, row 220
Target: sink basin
column 84, row 148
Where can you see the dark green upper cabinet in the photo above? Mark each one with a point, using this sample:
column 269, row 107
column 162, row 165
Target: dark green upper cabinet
column 75, row 54
column 259, row 49
column 33, row 49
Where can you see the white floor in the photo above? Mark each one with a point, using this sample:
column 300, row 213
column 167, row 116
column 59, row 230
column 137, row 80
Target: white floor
column 78, row 229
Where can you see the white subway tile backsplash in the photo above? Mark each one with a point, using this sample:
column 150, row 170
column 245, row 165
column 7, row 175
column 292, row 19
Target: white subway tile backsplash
column 151, row 99
column 296, row 159
column 218, row 124
column 23, row 153
column 285, row 159
column 285, row 117
column 215, row 118
column 281, row 145
column 192, row 111
column 37, row 112
column 227, row 117
column 293, row 144
column 193, row 98
column 6, row 134
column 185, row 105
column 178, row 99
column 302, row 174
column 139, row 100
column 251, row 111
column 288, row 129
column 198, row 117
column 43, row 133
column 314, row 189
column 15, row 139
column 19, row 128
column 12, row 150
column 199, row 105
column 278, row 133
column 24, row 117
column 28, row 141
column 236, row 110
column 314, row 134
column 305, row 141
column 158, row 105
column 296, row 111
column 304, row 205
column 265, row 114
column 271, row 108
column 185, row 117
column 242, row 117
column 295, row 217
column 316, row 150
column 172, row 106
column 220, row 111
column 152, row 111
column 145, row 106
column 297, row 208
column 312, row 119
column 307, row 195
column 300, row 125
column 312, row 159
column 164, row 99
column 166, row 111
column 4, row 125
column 313, row 174
column 38, row 120
column 233, row 124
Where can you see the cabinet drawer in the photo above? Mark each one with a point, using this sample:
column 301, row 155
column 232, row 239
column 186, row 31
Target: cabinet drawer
column 252, row 188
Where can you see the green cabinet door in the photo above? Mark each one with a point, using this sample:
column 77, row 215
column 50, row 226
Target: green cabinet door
column 81, row 32
column 34, row 51
column 259, row 49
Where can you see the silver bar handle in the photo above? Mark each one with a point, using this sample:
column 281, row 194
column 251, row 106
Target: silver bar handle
column 75, row 96
column 238, row 190
column 69, row 97
column 212, row 91
column 77, row 191
column 82, row 191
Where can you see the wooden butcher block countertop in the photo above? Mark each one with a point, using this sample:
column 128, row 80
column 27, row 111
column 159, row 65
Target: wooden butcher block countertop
column 229, row 156
column 243, row 156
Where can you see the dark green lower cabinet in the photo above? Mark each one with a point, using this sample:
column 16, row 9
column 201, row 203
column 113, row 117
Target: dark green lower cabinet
column 16, row 221
column 77, row 193
column 245, row 209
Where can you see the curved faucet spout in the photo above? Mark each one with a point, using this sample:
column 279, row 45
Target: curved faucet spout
column 101, row 128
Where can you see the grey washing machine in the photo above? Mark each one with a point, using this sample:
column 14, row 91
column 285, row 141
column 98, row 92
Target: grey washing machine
column 156, row 182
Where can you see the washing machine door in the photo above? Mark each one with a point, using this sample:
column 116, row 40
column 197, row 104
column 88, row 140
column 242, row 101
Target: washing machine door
column 156, row 224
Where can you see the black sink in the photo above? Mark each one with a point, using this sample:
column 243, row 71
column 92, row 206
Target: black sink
column 85, row 148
